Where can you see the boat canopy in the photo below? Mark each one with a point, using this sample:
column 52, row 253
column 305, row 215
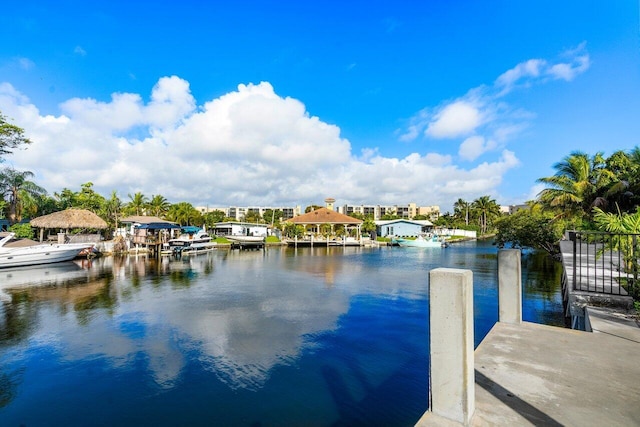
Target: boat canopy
column 190, row 229
column 158, row 226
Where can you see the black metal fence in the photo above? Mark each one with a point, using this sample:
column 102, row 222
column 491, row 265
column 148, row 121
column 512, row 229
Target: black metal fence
column 604, row 262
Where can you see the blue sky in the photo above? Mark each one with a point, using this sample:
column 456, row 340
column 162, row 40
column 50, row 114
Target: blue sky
column 271, row 103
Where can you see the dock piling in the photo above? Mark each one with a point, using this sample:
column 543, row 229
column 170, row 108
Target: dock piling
column 509, row 286
column 452, row 382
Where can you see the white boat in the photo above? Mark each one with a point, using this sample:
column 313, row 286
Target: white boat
column 244, row 241
column 421, row 242
column 18, row 256
column 192, row 239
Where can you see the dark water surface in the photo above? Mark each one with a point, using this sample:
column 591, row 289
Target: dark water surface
column 282, row 337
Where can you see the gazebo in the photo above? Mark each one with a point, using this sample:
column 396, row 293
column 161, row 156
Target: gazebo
column 67, row 220
column 324, row 216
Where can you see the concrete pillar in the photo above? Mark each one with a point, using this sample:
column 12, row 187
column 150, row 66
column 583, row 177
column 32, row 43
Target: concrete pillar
column 452, row 377
column 509, row 286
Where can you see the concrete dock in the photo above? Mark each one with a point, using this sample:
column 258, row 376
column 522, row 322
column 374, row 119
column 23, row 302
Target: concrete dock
column 531, row 374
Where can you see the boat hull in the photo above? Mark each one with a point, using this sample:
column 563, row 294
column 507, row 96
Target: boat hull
column 417, row 243
column 186, row 242
column 40, row 254
column 246, row 239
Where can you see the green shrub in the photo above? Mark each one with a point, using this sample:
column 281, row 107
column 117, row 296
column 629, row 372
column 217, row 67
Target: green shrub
column 22, row 230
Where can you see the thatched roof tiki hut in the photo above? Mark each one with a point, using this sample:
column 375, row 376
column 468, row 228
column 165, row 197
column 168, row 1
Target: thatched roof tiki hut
column 67, row 220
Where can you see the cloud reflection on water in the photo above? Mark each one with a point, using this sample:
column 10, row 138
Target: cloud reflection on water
column 241, row 317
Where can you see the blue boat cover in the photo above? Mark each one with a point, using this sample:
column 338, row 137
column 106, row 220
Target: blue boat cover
column 158, row 226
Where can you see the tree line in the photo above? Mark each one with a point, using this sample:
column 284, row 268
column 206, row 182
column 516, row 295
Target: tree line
column 21, row 198
column 587, row 192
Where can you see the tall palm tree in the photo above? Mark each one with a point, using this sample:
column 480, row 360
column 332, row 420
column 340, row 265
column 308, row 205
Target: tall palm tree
column 461, row 210
column 578, row 185
column 487, row 210
column 158, row 205
column 28, row 204
column 13, row 185
column 137, row 203
column 112, row 209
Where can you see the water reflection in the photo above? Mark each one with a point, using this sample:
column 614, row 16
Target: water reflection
column 340, row 331
column 243, row 323
column 542, row 288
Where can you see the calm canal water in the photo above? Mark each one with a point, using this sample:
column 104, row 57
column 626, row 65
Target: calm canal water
column 282, row 337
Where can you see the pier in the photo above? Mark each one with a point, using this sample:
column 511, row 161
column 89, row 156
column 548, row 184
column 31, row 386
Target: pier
column 596, row 272
column 529, row 374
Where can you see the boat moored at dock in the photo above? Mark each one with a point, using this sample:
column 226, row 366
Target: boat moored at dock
column 432, row 241
column 192, row 239
column 19, row 256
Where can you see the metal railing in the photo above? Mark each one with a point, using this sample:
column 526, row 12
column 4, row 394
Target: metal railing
column 604, row 263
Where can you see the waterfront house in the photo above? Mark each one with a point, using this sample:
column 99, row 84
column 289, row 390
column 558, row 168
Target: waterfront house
column 146, row 231
column 403, row 227
column 234, row 228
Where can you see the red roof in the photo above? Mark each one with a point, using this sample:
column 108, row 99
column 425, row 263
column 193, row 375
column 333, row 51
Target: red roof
column 324, row 216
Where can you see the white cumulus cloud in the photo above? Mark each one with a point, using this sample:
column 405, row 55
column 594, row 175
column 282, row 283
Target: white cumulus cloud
column 455, row 119
column 474, row 146
column 250, row 146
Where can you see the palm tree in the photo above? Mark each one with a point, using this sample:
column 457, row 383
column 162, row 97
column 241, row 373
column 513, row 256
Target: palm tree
column 461, row 210
column 624, row 192
column 28, row 204
column 137, row 203
column 14, row 184
column 185, row 214
column 624, row 227
column 369, row 225
column 487, row 210
column 578, row 185
column 112, row 209
column 158, row 205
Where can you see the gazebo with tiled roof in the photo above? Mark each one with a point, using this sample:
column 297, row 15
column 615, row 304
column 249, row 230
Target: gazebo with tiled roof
column 322, row 216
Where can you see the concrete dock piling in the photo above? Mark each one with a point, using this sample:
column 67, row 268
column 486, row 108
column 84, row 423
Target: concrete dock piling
column 509, row 286
column 452, row 360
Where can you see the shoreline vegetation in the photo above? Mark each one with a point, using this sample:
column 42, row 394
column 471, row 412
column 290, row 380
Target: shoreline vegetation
column 272, row 241
column 587, row 193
